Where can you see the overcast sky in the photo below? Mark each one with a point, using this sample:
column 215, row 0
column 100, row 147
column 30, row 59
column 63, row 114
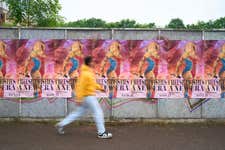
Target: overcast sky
column 144, row 11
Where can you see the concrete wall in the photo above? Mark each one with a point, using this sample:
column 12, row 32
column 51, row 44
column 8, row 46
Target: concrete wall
column 121, row 108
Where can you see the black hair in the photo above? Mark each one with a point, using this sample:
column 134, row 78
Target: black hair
column 87, row 60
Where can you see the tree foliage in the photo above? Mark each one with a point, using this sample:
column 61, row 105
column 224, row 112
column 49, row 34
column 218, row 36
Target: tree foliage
column 46, row 13
column 200, row 25
column 176, row 23
column 99, row 23
column 34, row 12
column 91, row 23
column 217, row 24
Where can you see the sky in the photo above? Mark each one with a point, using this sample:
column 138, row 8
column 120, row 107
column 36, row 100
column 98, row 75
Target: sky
column 144, row 11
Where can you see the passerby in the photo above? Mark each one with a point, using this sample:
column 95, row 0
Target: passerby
column 85, row 99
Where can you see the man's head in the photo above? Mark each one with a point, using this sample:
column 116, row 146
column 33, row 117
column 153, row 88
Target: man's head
column 88, row 61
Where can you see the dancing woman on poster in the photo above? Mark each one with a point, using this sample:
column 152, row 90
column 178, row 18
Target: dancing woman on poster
column 151, row 56
column 221, row 73
column 74, row 53
column 34, row 57
column 3, row 56
column 112, row 55
column 187, row 60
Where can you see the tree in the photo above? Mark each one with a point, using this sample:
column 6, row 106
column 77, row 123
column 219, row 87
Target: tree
column 149, row 25
column 126, row 23
column 34, row 12
column 217, row 24
column 201, row 25
column 176, row 24
column 91, row 23
column 99, row 23
column 112, row 25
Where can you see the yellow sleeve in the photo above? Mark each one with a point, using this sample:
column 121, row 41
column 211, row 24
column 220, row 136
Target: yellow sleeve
column 91, row 82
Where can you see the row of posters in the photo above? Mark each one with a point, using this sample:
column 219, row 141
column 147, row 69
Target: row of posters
column 126, row 68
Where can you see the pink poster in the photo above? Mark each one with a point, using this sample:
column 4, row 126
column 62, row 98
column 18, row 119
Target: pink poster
column 214, row 56
column 125, row 68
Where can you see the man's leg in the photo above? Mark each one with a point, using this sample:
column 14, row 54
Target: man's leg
column 71, row 117
column 97, row 113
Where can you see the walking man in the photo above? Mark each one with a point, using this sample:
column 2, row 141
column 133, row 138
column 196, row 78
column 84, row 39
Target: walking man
column 85, row 99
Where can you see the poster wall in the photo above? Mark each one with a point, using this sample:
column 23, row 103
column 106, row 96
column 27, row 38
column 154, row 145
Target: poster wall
column 125, row 68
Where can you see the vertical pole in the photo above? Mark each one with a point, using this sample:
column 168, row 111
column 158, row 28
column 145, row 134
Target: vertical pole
column 159, row 34
column 19, row 33
column 112, row 34
column 158, row 100
column 203, row 38
column 20, row 100
column 111, row 99
column 65, row 34
column 203, row 35
column 66, row 100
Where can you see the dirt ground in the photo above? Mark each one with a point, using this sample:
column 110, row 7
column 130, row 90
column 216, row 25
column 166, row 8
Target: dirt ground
column 42, row 136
